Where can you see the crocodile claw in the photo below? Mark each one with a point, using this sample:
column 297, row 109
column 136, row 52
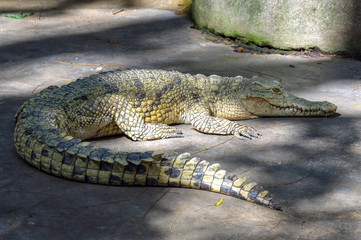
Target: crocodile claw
column 245, row 132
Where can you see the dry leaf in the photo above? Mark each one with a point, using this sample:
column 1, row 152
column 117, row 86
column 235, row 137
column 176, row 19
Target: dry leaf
column 219, row 202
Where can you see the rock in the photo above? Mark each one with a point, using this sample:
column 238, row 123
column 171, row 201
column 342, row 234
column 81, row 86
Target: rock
column 333, row 26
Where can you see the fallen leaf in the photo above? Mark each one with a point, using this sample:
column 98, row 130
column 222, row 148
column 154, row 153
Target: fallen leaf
column 219, row 202
column 118, row 11
column 19, row 15
column 239, row 49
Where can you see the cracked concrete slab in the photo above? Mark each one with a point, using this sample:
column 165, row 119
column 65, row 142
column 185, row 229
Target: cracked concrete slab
column 311, row 165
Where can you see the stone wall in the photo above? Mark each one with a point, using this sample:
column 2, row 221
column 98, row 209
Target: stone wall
column 331, row 25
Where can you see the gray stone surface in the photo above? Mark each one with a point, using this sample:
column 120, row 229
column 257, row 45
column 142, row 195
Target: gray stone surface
column 311, row 165
column 332, row 26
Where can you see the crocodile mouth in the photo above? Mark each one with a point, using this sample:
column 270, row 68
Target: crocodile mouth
column 307, row 111
column 301, row 107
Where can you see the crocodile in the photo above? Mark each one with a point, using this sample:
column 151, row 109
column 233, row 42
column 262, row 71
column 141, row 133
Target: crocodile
column 142, row 104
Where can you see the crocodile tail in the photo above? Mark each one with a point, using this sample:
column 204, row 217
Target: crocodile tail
column 182, row 171
column 62, row 155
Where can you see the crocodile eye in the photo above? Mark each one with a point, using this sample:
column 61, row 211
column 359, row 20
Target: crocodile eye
column 276, row 90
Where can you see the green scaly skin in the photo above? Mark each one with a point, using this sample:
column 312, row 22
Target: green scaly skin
column 50, row 127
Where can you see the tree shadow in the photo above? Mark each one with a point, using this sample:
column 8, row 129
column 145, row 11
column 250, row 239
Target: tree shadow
column 64, row 4
column 131, row 38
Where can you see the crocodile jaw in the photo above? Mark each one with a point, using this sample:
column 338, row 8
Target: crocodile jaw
column 262, row 107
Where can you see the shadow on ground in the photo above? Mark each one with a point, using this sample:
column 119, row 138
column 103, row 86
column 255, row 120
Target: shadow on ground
column 62, row 5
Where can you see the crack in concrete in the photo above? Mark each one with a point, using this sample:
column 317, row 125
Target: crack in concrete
column 304, row 177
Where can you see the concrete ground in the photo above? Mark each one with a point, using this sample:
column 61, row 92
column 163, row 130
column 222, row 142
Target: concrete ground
column 311, row 165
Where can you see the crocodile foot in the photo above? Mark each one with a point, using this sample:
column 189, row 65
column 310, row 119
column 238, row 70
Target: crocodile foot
column 245, row 132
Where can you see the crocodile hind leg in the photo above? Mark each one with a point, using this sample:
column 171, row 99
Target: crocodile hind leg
column 132, row 124
column 202, row 121
column 117, row 116
column 109, row 130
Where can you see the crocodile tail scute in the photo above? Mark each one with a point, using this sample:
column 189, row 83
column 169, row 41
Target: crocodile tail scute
column 64, row 156
column 186, row 172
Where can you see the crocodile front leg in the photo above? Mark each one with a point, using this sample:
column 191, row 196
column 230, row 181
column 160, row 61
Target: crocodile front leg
column 201, row 119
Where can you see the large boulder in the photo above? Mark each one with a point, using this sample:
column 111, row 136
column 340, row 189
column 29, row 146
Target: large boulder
column 331, row 25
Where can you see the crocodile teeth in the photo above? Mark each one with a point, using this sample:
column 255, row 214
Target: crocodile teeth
column 299, row 110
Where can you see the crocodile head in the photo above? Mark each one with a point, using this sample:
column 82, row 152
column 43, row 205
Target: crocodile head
column 268, row 98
